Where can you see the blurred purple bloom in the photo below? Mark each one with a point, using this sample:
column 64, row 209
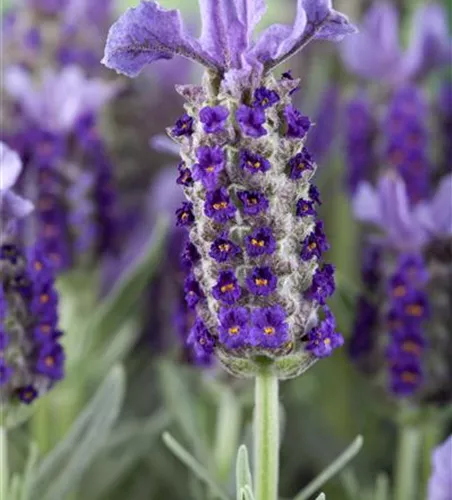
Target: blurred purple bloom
column 61, row 97
column 12, row 206
column 375, row 53
column 406, row 228
column 440, row 483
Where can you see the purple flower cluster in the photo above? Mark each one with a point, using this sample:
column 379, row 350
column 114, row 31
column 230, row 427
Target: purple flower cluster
column 33, row 361
column 408, row 311
column 407, row 147
column 360, row 137
column 252, row 253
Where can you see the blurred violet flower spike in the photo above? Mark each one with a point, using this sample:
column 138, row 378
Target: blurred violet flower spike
column 440, row 483
column 61, row 98
column 12, row 206
column 150, row 32
column 376, row 54
column 406, row 228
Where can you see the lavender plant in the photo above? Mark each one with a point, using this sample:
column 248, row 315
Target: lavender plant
column 256, row 281
column 31, row 355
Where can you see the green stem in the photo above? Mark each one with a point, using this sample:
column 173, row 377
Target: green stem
column 266, row 437
column 407, row 466
column 3, row 463
column 431, row 438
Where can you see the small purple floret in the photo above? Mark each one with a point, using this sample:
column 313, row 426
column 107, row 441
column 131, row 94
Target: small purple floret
column 305, row 208
column 269, row 328
column 261, row 281
column 253, row 162
column 184, row 126
column 315, row 244
column 265, row 98
column 227, row 289
column 218, row 205
column 251, row 120
column 185, row 176
column 234, row 330
column 213, row 118
column 260, row 242
column 297, row 124
column 223, row 249
column 184, row 215
column 323, row 339
column 211, row 162
column 300, row 163
column 193, row 292
column 253, row 202
column 323, row 285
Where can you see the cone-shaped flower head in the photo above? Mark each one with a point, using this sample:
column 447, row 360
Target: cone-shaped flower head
column 31, row 357
column 256, row 282
column 404, row 319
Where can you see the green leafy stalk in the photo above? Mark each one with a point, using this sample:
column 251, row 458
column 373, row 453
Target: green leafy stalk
column 266, row 437
column 407, row 466
column 340, row 462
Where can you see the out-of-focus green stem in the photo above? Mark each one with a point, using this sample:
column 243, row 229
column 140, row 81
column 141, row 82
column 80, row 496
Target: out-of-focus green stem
column 431, row 437
column 406, row 485
column 266, row 437
column 3, row 463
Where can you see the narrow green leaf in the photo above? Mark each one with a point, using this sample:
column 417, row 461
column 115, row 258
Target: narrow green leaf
column 190, row 461
column 29, row 473
column 331, row 470
column 246, row 493
column 116, row 307
column 178, row 400
column 14, row 488
column 321, row 497
column 63, row 467
column 243, row 471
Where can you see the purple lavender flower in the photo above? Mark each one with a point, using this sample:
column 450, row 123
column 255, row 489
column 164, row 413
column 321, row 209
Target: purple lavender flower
column 193, row 292
column 314, row 194
column 253, row 162
column 213, row 118
column 323, row 339
column 260, row 242
column 218, row 205
column 406, row 378
column 251, row 120
column 305, row 208
column 261, row 281
column 201, row 339
column 227, row 289
column 265, row 98
column 253, row 202
column 51, row 361
column 323, row 285
column 241, row 216
column 315, row 244
column 269, row 327
column 185, row 215
column 440, row 483
column 185, row 176
column 211, row 162
column 300, row 163
column 189, row 256
column 183, row 126
column 234, row 329
column 223, row 249
column 297, row 124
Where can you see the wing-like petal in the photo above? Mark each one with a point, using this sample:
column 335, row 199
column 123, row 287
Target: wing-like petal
column 146, row 33
column 436, row 215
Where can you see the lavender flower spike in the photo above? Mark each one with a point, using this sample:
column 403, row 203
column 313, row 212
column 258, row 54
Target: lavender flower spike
column 440, row 483
column 257, row 286
column 150, row 32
